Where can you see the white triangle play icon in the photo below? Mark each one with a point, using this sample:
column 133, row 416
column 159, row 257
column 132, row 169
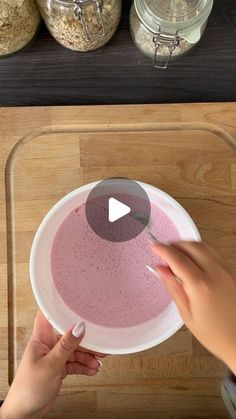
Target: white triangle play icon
column 117, row 210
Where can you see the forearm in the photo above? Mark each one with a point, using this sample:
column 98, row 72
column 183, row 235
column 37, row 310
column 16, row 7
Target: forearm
column 12, row 409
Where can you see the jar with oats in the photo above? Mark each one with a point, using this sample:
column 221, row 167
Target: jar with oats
column 19, row 23
column 165, row 30
column 81, row 25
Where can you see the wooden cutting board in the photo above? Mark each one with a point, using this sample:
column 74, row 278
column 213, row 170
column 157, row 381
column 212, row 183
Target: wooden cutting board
column 186, row 150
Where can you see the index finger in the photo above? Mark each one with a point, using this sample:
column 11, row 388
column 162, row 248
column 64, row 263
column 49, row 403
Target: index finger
column 180, row 264
column 98, row 354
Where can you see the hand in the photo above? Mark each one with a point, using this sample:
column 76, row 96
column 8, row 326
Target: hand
column 206, row 296
column 47, row 360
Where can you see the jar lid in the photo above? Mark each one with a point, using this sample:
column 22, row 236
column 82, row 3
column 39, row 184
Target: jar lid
column 172, row 14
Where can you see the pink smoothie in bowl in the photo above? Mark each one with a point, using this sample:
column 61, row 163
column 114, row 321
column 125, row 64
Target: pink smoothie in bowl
column 78, row 276
column 108, row 283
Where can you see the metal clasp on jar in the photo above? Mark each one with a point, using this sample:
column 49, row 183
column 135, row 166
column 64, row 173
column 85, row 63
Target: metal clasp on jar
column 79, row 12
column 164, row 40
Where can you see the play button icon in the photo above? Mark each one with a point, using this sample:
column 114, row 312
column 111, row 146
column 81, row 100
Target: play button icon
column 116, row 210
column 112, row 207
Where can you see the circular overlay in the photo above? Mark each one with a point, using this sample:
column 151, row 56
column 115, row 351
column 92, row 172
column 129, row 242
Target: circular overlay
column 118, row 209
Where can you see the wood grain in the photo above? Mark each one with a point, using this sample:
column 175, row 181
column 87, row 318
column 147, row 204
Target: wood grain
column 48, row 74
column 178, row 378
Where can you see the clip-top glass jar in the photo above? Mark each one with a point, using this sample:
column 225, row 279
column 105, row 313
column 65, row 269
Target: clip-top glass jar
column 19, row 23
column 81, row 25
column 167, row 29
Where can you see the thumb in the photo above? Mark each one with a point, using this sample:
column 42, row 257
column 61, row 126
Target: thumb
column 176, row 290
column 66, row 345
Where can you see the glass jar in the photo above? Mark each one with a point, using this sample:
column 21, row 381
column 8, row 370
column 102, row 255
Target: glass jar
column 81, row 25
column 168, row 29
column 19, row 23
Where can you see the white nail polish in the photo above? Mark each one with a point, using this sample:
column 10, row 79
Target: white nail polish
column 78, row 329
column 153, row 271
column 100, row 363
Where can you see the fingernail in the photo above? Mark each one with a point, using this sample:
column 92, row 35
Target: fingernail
column 178, row 280
column 99, row 362
column 78, row 329
column 152, row 240
column 153, row 271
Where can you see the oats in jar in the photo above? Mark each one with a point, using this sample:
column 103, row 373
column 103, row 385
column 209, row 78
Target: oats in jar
column 81, row 25
column 145, row 40
column 167, row 29
column 19, row 21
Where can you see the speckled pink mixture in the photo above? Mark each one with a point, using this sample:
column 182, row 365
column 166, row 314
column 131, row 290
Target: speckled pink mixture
column 108, row 283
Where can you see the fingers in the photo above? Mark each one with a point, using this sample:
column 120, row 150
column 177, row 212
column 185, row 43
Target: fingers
column 87, row 359
column 41, row 328
column 177, row 292
column 216, row 256
column 195, row 251
column 204, row 256
column 65, row 347
column 43, row 338
column 179, row 263
column 97, row 354
column 76, row 368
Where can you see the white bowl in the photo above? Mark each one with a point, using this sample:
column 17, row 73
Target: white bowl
column 100, row 338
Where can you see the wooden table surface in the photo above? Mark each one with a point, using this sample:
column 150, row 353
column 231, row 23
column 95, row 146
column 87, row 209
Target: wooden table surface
column 48, row 74
column 178, row 148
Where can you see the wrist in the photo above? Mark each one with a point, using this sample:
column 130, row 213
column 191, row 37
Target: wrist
column 9, row 410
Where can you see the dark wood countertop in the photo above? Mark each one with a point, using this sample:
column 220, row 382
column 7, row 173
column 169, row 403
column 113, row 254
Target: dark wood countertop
column 48, row 74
